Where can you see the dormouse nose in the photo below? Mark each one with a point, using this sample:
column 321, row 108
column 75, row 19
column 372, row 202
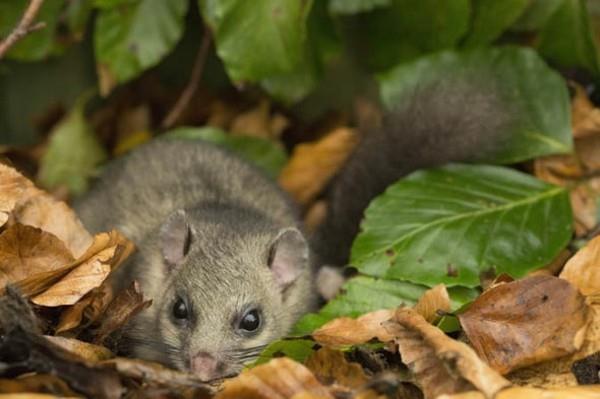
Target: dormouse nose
column 205, row 366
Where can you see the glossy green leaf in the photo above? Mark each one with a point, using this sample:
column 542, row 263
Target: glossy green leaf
column 73, row 153
column 363, row 294
column 408, row 29
column 296, row 349
column 264, row 153
column 356, row 6
column 536, row 96
column 448, row 225
column 568, row 40
column 134, row 36
column 491, row 18
column 258, row 39
column 39, row 44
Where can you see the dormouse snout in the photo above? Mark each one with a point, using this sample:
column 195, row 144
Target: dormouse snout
column 206, row 366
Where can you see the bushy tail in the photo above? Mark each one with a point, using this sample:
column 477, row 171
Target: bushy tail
column 452, row 121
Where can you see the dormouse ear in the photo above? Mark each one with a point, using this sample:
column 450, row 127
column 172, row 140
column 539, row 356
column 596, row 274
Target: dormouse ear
column 175, row 237
column 288, row 256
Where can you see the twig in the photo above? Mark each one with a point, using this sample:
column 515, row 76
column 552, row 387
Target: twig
column 192, row 85
column 25, row 26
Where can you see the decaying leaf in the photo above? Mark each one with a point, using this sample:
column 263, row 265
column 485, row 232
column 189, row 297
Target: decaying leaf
column 440, row 364
column 585, row 118
column 27, row 251
column 583, row 392
column 433, row 301
column 280, row 378
column 14, row 189
column 258, row 122
column 526, row 321
column 87, row 351
column 92, row 306
column 126, row 305
column 312, row 165
column 583, row 269
column 330, row 365
column 29, row 384
column 347, row 331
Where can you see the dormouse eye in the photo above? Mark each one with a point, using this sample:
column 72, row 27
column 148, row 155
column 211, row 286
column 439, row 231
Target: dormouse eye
column 250, row 321
column 180, row 310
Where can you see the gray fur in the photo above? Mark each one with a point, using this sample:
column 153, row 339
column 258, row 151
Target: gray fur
column 235, row 215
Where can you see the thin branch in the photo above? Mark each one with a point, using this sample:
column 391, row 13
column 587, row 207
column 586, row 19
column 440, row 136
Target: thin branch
column 25, row 26
column 187, row 94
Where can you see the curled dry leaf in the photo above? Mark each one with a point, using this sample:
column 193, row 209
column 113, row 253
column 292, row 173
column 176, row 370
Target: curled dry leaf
column 85, row 350
column 584, row 116
column 27, row 251
column 440, row 364
column 331, row 365
column 433, row 301
column 14, row 189
column 347, row 331
column 312, row 165
column 583, row 269
column 526, row 321
column 89, row 307
column 126, row 305
column 280, row 378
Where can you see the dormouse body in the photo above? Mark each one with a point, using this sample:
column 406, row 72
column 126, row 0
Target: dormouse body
column 219, row 251
column 220, row 248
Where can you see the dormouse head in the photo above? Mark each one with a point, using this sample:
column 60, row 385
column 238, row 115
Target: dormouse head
column 233, row 282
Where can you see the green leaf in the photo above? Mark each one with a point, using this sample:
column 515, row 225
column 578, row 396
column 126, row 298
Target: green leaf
column 568, row 40
column 363, row 294
column 356, row 6
column 409, row 29
column 536, row 15
column 296, row 349
column 73, row 153
column 258, row 39
column 491, row 18
column 130, row 37
column 264, row 153
column 536, row 95
column 449, row 225
column 36, row 45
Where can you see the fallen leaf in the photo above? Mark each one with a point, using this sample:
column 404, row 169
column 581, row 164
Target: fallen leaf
column 79, row 281
column 92, row 306
column 126, row 305
column 440, row 365
column 313, row 164
column 432, row 301
column 583, row 269
column 258, row 122
column 330, row 365
column 155, row 373
column 27, row 251
column 85, row 350
column 280, row 378
column 585, row 198
column 14, row 189
column 29, row 384
column 57, row 218
column 585, row 118
column 583, row 392
column 347, row 331
column 527, row 321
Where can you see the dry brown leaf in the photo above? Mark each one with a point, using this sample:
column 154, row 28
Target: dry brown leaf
column 279, row 379
column 313, row 164
column 57, row 218
column 582, row 392
column 79, row 281
column 29, row 384
column 126, row 305
column 583, row 269
column 585, row 117
column 331, row 365
column 527, row 321
column 440, row 364
column 85, row 350
column 432, row 301
column 258, row 122
column 14, row 189
column 27, row 251
column 92, row 306
column 347, row 331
